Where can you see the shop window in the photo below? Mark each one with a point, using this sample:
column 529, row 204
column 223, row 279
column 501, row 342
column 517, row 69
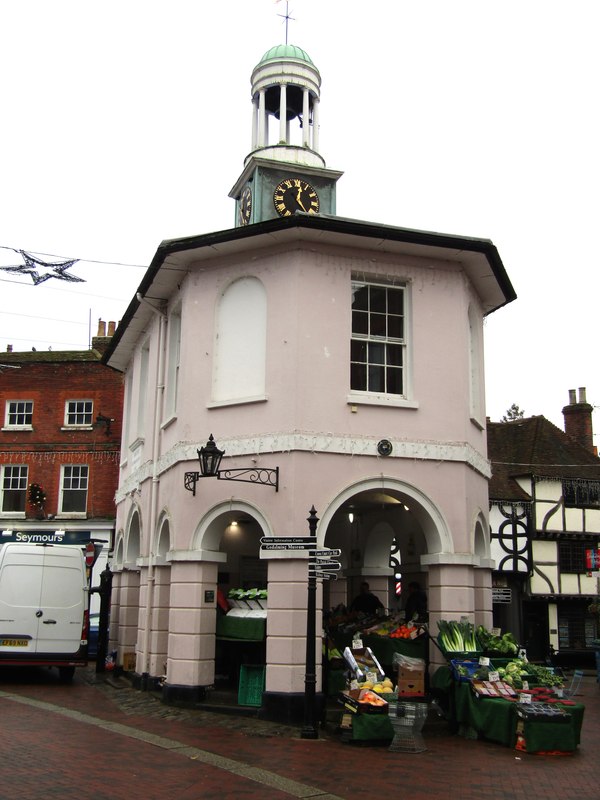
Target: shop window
column 576, row 628
column 14, row 488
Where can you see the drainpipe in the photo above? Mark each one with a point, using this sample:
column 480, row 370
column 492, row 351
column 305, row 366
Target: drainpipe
column 158, row 394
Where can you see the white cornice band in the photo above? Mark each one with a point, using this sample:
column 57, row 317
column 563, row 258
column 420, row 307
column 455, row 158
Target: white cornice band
column 268, row 444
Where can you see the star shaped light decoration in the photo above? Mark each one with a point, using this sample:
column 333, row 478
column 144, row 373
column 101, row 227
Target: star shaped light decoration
column 33, row 266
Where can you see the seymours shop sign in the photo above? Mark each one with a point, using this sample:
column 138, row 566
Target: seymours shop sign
column 46, row 537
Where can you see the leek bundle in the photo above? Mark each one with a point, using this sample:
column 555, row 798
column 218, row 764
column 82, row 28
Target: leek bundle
column 457, row 637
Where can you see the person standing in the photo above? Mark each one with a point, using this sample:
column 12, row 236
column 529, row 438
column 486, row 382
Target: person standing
column 366, row 602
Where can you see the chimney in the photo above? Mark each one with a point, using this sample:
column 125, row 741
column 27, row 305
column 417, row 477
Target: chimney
column 102, row 340
column 578, row 420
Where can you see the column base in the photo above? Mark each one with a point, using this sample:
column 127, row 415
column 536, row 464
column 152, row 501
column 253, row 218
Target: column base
column 183, row 696
column 288, row 707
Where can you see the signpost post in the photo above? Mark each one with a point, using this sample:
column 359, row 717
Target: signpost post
column 310, row 730
column 319, row 566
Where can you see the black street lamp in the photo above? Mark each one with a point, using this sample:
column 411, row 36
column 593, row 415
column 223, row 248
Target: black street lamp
column 210, row 457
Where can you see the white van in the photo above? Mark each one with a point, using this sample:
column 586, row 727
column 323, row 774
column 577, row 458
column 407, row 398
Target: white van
column 44, row 597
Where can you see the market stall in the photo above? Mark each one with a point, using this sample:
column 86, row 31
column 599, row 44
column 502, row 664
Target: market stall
column 386, row 637
column 377, row 708
column 506, row 699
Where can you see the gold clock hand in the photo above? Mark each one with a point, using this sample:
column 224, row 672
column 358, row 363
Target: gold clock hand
column 299, row 201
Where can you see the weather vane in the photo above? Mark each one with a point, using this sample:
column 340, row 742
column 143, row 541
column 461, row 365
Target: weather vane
column 287, row 18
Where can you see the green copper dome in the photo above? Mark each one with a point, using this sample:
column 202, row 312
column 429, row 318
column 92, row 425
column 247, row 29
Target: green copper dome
column 286, row 51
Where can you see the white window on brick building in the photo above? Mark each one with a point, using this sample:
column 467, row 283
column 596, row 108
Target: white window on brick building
column 74, row 489
column 19, row 414
column 13, row 487
column 79, row 413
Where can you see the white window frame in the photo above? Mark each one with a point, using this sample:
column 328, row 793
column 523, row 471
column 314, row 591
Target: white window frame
column 366, row 397
column 23, row 477
column 11, row 426
column 63, row 478
column 79, row 425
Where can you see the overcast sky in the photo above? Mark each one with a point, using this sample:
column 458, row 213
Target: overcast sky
column 126, row 122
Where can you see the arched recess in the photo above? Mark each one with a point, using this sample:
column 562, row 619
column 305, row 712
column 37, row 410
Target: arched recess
column 163, row 538
column 239, row 365
column 481, row 540
column 133, row 539
column 119, row 551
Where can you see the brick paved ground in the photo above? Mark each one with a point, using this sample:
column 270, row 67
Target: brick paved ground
column 103, row 741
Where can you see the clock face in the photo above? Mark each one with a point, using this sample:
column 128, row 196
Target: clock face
column 295, row 194
column 245, row 206
column 384, row 447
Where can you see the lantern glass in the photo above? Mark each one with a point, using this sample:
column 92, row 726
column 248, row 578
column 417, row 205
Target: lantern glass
column 210, row 458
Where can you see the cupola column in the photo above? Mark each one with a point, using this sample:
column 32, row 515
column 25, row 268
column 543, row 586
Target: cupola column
column 315, row 125
column 262, row 120
column 254, row 123
column 283, row 124
column 306, row 118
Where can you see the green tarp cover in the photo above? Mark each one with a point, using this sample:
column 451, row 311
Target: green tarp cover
column 247, row 628
column 371, row 727
column 496, row 719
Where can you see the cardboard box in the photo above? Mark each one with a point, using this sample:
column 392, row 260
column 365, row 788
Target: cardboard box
column 411, row 682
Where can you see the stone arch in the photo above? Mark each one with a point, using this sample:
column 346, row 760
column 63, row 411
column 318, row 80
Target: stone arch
column 209, row 531
column 433, row 524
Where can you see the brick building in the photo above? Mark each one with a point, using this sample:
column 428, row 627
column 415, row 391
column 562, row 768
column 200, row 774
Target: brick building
column 60, row 443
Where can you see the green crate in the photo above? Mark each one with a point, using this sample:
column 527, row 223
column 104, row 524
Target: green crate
column 252, row 685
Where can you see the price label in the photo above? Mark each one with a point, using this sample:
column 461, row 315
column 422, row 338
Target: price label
column 524, row 698
column 496, row 631
column 493, row 677
column 373, row 677
column 526, row 685
column 357, row 644
column 484, row 661
column 558, row 691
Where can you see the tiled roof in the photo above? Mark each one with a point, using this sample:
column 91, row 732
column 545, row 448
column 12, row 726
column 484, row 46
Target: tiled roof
column 534, row 446
column 48, row 356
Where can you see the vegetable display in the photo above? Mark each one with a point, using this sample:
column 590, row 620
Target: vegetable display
column 457, row 637
column 499, row 644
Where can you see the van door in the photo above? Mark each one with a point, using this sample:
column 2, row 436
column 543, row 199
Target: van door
column 20, row 590
column 62, row 601
column 43, row 599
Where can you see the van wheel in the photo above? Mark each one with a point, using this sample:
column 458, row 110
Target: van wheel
column 65, row 674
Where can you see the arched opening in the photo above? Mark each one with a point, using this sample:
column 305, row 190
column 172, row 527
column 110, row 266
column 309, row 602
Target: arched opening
column 383, row 527
column 230, row 536
column 129, row 594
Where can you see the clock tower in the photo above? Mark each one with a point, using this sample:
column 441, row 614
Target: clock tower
column 284, row 173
